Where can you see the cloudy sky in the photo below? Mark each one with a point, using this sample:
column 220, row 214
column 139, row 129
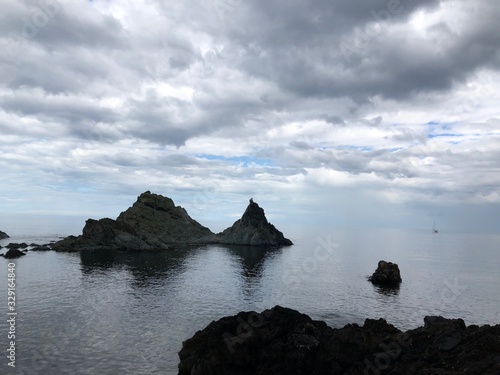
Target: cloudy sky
column 333, row 111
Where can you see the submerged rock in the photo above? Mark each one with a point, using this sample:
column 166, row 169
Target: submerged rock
column 284, row 341
column 386, row 274
column 36, row 247
column 253, row 229
column 14, row 245
column 3, row 235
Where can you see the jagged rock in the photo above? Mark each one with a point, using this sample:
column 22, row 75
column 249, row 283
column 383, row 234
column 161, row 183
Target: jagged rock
column 284, row 341
column 155, row 223
column 152, row 223
column 253, row 229
column 13, row 253
column 386, row 274
column 3, row 235
column 156, row 217
column 107, row 234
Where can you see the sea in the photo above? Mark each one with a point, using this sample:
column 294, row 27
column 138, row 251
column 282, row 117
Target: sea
column 128, row 313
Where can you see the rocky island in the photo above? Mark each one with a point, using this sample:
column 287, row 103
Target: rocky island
column 253, row 229
column 284, row 341
column 387, row 274
column 154, row 222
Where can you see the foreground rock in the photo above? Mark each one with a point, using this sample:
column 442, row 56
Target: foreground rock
column 154, row 223
column 3, row 235
column 284, row 341
column 13, row 253
column 253, row 229
column 387, row 274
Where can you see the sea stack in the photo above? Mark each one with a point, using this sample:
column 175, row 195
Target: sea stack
column 3, row 235
column 387, row 274
column 253, row 229
column 154, row 222
column 156, row 217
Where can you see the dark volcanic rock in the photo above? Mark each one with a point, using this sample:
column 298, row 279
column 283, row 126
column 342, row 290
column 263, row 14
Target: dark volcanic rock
column 253, row 229
column 156, row 217
column 14, row 245
column 3, row 235
column 154, row 223
column 107, row 234
column 284, row 341
column 40, row 247
column 13, row 253
column 386, row 274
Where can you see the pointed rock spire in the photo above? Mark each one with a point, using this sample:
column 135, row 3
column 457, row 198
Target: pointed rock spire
column 3, row 235
column 253, row 229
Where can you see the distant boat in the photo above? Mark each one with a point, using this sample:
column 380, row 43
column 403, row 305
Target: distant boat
column 434, row 230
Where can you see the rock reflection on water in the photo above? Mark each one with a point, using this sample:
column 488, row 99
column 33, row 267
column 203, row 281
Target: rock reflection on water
column 252, row 260
column 144, row 267
column 387, row 291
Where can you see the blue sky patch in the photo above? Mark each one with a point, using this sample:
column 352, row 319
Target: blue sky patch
column 353, row 147
column 444, row 135
column 239, row 160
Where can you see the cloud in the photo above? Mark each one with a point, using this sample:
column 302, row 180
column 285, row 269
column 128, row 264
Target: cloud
column 328, row 105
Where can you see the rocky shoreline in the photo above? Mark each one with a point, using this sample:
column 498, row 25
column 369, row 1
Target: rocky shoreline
column 284, row 341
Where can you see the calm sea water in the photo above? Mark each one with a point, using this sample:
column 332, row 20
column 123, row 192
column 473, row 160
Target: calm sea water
column 117, row 313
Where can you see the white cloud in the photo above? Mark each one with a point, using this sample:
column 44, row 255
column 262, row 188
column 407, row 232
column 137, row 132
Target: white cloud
column 223, row 101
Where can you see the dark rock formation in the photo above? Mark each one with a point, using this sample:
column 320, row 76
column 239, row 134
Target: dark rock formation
column 154, row 223
column 253, row 229
column 13, row 253
column 3, row 235
column 284, row 341
column 157, row 218
column 36, row 247
column 107, row 234
column 387, row 274
column 14, row 245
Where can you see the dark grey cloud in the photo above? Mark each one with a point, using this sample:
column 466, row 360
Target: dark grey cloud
column 300, row 47
column 56, row 25
column 289, row 99
column 47, row 108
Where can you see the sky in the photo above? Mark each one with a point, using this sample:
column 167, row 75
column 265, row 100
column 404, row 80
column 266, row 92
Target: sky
column 331, row 112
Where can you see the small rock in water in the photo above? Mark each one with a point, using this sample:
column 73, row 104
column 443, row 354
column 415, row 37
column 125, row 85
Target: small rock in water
column 41, row 248
column 13, row 253
column 386, row 274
